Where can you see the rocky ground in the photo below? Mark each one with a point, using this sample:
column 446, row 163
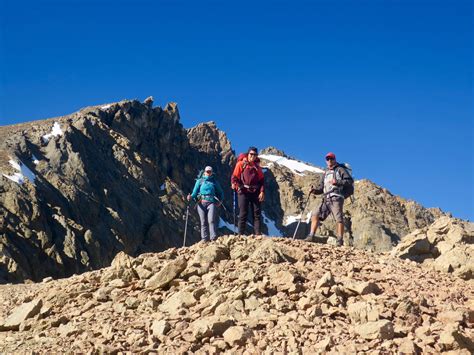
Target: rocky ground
column 244, row 295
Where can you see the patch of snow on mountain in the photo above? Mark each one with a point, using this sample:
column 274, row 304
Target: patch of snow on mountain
column 273, row 231
column 35, row 160
column 55, row 131
column 291, row 219
column 163, row 187
column 295, row 166
column 105, row 107
column 23, row 172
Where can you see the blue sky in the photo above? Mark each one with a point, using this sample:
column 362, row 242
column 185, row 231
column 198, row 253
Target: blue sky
column 386, row 85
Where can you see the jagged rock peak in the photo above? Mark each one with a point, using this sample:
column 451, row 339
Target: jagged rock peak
column 274, row 151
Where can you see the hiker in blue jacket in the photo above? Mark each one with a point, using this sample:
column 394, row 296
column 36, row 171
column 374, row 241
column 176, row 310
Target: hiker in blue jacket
column 208, row 192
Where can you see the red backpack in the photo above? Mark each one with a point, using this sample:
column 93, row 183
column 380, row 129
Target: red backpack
column 249, row 173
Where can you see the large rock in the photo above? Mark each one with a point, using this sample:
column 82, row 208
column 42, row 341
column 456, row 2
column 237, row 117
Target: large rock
column 21, row 314
column 446, row 245
column 210, row 326
column 237, row 335
column 167, row 274
column 382, row 329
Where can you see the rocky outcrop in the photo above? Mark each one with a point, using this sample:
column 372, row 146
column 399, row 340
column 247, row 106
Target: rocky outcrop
column 447, row 245
column 323, row 299
column 103, row 180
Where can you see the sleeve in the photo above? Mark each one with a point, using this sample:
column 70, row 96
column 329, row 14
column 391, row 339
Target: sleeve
column 237, row 173
column 319, row 189
column 261, row 178
column 195, row 192
column 220, row 192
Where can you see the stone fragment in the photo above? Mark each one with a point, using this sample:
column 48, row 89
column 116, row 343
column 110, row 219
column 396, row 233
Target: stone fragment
column 327, row 280
column 237, row 335
column 361, row 288
column 210, row 326
column 160, row 327
column 21, row 313
column 167, row 274
column 382, row 329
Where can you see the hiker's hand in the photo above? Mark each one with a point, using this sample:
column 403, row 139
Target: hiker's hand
column 188, row 197
column 334, row 182
column 261, row 196
column 234, row 186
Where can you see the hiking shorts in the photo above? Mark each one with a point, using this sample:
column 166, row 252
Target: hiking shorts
column 332, row 205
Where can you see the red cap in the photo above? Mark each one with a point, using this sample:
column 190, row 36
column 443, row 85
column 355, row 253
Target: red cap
column 331, row 155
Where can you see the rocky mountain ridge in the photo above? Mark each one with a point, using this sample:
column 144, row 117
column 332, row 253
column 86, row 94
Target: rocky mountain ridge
column 113, row 178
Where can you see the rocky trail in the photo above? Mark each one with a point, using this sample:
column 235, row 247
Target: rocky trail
column 244, row 295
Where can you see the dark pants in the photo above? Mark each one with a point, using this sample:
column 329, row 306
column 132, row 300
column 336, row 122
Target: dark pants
column 247, row 200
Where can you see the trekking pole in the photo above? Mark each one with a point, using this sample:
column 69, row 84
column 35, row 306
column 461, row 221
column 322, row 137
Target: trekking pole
column 234, row 210
column 186, row 225
column 222, row 204
column 301, row 217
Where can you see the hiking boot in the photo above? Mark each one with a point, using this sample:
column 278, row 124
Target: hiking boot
column 310, row 238
column 340, row 242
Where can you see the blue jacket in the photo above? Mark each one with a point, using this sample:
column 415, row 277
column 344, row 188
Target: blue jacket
column 207, row 188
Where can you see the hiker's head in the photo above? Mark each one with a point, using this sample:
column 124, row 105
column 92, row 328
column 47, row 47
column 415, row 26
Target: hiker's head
column 252, row 153
column 330, row 159
column 208, row 170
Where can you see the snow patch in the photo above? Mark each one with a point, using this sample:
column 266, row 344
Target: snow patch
column 34, row 160
column 22, row 174
column 105, row 107
column 290, row 219
column 55, row 131
column 295, row 166
column 223, row 223
column 163, row 187
column 273, row 231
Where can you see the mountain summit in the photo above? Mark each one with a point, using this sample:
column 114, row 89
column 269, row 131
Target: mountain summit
column 78, row 189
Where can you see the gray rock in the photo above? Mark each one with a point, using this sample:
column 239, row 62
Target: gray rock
column 21, row 313
column 167, row 274
column 382, row 329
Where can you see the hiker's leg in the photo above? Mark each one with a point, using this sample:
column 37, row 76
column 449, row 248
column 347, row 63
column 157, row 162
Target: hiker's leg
column 257, row 213
column 202, row 211
column 337, row 210
column 340, row 230
column 243, row 211
column 211, row 218
column 314, row 224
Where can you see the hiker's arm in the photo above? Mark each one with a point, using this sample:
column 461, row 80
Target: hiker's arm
column 319, row 188
column 196, row 189
column 220, row 192
column 261, row 178
column 235, row 180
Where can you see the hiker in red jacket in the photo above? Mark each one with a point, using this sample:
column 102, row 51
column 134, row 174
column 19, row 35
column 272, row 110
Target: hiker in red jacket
column 248, row 181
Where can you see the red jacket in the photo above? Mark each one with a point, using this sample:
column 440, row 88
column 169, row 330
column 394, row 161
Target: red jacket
column 248, row 176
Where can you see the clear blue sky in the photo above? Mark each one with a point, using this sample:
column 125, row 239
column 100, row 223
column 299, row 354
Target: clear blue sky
column 386, row 85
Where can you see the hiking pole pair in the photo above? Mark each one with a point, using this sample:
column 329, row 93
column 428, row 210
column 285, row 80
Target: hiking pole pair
column 302, row 212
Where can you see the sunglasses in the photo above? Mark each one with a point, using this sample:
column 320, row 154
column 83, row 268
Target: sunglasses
column 329, row 158
column 253, row 154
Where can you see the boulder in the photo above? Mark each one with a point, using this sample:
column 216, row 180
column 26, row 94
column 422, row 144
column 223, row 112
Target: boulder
column 382, row 329
column 167, row 274
column 237, row 335
column 21, row 313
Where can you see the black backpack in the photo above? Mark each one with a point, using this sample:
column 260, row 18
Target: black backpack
column 347, row 191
